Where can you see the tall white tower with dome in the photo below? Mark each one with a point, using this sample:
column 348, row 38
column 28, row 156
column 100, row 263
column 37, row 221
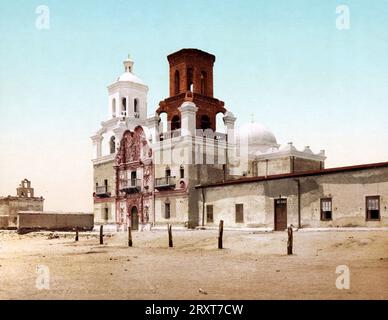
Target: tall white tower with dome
column 127, row 108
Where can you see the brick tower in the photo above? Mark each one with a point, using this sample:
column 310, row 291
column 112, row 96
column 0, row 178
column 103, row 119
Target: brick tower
column 191, row 80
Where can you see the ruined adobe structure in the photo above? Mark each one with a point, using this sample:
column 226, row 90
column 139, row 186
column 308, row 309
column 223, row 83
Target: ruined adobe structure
column 190, row 165
column 25, row 213
column 24, row 200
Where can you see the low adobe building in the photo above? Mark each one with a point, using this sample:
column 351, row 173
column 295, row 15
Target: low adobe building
column 353, row 196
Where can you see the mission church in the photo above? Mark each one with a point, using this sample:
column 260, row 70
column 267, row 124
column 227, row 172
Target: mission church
column 189, row 165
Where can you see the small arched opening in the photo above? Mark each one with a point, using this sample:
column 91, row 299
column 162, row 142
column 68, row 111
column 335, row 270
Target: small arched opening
column 162, row 124
column 190, row 77
column 175, row 123
column 114, row 108
column 124, row 106
column 220, row 124
column 176, row 82
column 205, row 122
column 112, row 145
column 136, row 106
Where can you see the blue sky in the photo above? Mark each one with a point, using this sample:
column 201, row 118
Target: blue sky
column 283, row 61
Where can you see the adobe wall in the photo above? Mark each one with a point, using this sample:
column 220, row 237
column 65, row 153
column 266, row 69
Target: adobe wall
column 54, row 221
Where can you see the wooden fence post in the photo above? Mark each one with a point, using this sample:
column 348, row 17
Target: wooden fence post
column 220, row 234
column 290, row 241
column 101, row 234
column 169, row 229
column 129, row 237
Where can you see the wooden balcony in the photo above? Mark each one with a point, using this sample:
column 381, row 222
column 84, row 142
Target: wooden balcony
column 103, row 192
column 165, row 183
column 130, row 186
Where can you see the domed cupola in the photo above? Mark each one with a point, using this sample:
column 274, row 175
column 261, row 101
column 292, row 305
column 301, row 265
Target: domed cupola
column 128, row 75
column 259, row 137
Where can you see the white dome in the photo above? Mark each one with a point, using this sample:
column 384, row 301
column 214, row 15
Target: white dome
column 259, row 137
column 129, row 76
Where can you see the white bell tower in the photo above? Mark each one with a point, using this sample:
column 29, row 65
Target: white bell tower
column 128, row 95
column 127, row 108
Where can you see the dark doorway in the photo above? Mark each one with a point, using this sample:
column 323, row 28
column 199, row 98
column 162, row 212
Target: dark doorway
column 134, row 219
column 280, row 214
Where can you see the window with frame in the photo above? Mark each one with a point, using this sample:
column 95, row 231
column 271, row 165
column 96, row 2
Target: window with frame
column 106, row 214
column 326, row 209
column 167, row 210
column 124, row 105
column 209, row 213
column 112, row 145
column 372, row 208
column 135, row 105
column 239, row 213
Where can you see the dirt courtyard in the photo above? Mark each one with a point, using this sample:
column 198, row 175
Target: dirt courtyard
column 252, row 265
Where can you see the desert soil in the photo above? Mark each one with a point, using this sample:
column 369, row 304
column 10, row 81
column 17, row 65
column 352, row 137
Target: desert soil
column 251, row 266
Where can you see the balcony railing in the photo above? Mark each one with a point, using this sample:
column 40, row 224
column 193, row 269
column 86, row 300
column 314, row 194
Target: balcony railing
column 211, row 135
column 199, row 133
column 130, row 186
column 170, row 134
column 165, row 183
column 102, row 191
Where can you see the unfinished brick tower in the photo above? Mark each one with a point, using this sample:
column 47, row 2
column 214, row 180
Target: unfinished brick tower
column 191, row 79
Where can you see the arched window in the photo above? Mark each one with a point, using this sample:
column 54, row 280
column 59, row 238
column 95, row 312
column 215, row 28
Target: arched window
column 175, row 123
column 135, row 106
column 220, row 124
column 203, row 82
column 112, row 145
column 163, row 122
column 205, row 122
column 114, row 108
column 190, row 79
column 124, row 106
column 176, row 82
column 182, row 172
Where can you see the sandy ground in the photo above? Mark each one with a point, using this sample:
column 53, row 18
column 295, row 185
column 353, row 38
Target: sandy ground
column 252, row 266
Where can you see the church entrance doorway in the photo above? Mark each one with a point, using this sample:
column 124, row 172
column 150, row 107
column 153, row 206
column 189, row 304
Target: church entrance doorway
column 134, row 219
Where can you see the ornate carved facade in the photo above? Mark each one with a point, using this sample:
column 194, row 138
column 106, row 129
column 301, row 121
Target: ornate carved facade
column 134, row 180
